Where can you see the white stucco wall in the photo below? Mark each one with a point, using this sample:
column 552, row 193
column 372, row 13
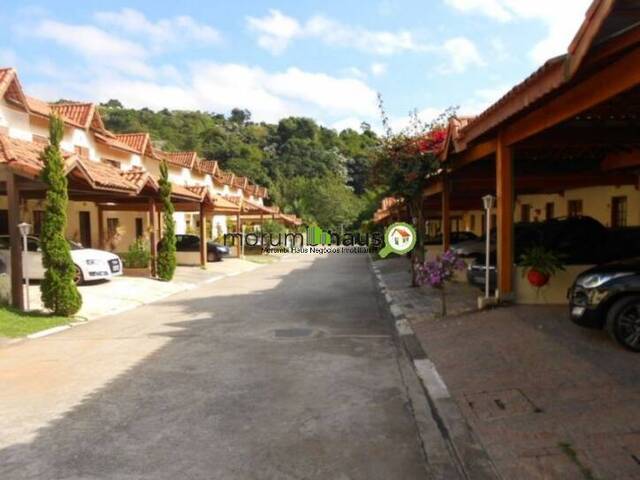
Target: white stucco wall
column 15, row 120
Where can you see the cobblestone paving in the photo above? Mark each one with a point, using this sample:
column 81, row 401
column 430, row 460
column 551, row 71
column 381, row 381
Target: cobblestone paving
column 548, row 400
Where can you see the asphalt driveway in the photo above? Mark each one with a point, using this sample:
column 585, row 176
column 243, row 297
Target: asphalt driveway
column 285, row 372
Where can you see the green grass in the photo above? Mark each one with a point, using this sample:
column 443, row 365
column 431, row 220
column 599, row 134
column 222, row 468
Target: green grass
column 19, row 324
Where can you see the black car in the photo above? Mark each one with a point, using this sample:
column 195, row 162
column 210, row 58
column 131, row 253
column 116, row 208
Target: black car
column 191, row 243
column 608, row 296
column 577, row 240
column 456, row 237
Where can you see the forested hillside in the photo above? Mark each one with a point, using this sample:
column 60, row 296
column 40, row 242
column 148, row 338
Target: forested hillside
column 317, row 173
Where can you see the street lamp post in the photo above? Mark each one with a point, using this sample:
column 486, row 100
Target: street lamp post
column 25, row 229
column 488, row 201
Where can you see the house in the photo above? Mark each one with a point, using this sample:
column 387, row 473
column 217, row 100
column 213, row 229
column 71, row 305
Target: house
column 561, row 143
column 113, row 179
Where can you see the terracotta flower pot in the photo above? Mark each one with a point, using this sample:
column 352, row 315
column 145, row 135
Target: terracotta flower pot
column 537, row 279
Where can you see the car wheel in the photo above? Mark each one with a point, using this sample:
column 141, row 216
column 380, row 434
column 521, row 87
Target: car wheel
column 78, row 278
column 623, row 322
column 212, row 257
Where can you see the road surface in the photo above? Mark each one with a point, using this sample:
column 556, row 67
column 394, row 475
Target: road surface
column 286, row 372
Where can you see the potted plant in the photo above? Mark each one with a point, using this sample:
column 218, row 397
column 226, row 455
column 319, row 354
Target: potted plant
column 540, row 264
column 137, row 259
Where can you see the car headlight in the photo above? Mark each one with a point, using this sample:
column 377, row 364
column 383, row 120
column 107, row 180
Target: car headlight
column 92, row 261
column 596, row 280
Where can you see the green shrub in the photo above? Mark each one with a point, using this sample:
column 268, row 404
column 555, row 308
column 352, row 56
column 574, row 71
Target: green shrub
column 166, row 265
column 138, row 255
column 59, row 293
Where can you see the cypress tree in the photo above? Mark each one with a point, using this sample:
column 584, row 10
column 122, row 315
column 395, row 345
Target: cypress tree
column 59, row 293
column 166, row 265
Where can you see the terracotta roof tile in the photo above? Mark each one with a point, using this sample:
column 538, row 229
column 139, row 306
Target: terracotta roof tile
column 137, row 141
column 113, row 142
column 24, row 156
column 10, row 87
column 38, row 106
column 181, row 159
column 140, row 178
column 183, row 192
column 208, row 166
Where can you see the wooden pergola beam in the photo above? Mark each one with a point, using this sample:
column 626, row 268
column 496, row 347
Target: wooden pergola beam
column 606, row 83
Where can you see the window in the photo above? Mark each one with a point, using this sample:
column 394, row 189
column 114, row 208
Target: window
column 113, row 163
column 112, row 226
column 619, row 212
column 472, row 222
column 37, row 222
column 525, row 213
column 574, row 208
column 139, row 228
column 549, row 211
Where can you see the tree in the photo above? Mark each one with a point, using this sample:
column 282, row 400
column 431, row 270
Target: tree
column 404, row 166
column 167, row 250
column 59, row 292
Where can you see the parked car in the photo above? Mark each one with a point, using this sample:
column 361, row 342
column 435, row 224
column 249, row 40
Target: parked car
column 578, row 241
column 456, row 238
column 90, row 264
column 608, row 296
column 191, row 243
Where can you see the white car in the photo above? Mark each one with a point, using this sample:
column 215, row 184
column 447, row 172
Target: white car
column 91, row 264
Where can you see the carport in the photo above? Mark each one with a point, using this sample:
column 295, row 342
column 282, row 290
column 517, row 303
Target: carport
column 571, row 124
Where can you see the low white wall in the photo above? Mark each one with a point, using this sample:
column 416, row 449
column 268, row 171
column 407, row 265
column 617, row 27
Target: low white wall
column 188, row 258
column 555, row 292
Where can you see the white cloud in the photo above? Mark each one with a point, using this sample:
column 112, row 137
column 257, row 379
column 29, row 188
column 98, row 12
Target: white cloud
column 483, row 98
column 561, row 18
column 461, row 53
column 162, row 33
column 489, row 8
column 222, row 86
column 96, row 45
column 378, row 69
column 276, row 31
column 354, row 72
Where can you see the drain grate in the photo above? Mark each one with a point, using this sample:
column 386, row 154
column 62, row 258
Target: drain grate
column 500, row 404
column 293, row 332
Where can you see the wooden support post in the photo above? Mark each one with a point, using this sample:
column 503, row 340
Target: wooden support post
column 203, row 237
column 159, row 224
column 15, row 242
column 446, row 214
column 504, row 194
column 100, row 227
column 239, row 231
column 152, row 236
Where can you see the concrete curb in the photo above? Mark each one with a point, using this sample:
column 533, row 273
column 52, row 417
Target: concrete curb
column 472, row 460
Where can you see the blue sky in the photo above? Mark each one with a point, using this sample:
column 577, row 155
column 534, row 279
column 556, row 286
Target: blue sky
column 326, row 60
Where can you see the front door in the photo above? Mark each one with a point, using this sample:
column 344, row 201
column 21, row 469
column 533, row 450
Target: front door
column 85, row 229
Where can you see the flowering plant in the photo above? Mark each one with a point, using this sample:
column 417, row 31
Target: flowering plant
column 437, row 273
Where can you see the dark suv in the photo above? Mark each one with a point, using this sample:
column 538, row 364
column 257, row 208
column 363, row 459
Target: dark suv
column 608, row 296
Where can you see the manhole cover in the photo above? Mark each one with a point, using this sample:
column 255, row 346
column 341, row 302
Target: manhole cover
column 500, row 404
column 293, row 332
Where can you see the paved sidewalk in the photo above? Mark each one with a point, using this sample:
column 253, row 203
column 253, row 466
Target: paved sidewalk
column 125, row 293
column 546, row 399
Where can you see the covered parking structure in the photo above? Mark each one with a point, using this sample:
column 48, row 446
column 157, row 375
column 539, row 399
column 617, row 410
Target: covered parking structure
column 88, row 181
column 572, row 124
